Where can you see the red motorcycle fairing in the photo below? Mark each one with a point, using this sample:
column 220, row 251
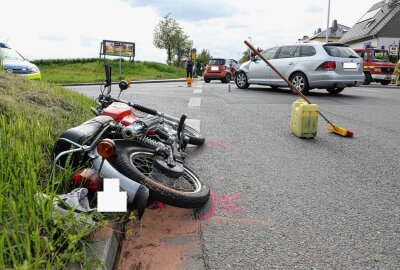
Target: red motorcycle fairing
column 120, row 112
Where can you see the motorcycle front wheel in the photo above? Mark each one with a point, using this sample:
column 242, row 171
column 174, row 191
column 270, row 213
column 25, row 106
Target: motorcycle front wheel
column 186, row 191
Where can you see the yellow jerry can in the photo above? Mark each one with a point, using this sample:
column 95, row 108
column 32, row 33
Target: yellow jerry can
column 304, row 119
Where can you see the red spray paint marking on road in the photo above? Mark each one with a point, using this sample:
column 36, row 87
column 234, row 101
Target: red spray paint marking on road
column 228, row 203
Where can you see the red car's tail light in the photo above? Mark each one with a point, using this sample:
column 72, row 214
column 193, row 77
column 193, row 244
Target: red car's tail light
column 328, row 65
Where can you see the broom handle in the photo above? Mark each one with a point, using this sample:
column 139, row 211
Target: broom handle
column 284, row 78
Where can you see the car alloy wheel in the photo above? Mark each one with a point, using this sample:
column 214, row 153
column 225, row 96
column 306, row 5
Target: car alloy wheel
column 299, row 80
column 241, row 80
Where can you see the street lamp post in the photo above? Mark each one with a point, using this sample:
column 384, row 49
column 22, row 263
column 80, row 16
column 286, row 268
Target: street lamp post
column 327, row 23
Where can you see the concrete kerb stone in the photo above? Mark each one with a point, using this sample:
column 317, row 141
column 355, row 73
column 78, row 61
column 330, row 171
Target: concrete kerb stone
column 104, row 247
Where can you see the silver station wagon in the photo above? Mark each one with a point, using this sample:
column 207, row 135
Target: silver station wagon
column 330, row 66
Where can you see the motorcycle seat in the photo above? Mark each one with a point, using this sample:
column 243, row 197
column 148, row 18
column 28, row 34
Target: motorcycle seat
column 85, row 132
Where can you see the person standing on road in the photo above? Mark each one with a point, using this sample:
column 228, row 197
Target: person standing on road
column 189, row 68
column 398, row 73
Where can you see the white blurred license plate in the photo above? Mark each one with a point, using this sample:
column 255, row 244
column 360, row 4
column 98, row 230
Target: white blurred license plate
column 349, row 65
column 214, row 68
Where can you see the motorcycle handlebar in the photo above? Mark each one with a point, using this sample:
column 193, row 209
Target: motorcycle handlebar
column 144, row 109
column 108, row 75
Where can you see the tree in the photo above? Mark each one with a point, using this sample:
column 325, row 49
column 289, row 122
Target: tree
column 202, row 59
column 183, row 46
column 169, row 35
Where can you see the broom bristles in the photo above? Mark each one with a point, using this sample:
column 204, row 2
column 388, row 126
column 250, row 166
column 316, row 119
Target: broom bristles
column 340, row 131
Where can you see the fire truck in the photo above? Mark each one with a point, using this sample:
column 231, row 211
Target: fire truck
column 377, row 67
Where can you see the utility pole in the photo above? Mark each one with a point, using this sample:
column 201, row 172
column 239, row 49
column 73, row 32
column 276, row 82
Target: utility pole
column 327, row 23
column 249, row 38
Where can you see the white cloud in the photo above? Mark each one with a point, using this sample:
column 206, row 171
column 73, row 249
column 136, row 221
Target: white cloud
column 71, row 29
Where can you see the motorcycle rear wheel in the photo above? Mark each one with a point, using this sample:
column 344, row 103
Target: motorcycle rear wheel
column 187, row 191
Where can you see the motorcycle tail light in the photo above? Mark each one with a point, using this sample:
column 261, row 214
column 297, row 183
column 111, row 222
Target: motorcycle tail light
column 106, row 148
column 328, row 65
column 87, row 178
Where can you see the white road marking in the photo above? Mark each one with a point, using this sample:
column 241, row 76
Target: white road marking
column 194, row 123
column 198, row 91
column 194, row 102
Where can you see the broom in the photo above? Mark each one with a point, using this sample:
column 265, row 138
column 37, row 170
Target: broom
column 331, row 127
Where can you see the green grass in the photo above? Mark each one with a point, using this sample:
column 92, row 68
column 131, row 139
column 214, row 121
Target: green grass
column 32, row 116
column 92, row 70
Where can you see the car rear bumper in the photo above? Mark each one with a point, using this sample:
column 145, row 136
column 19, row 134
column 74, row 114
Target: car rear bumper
column 333, row 79
column 214, row 75
column 383, row 77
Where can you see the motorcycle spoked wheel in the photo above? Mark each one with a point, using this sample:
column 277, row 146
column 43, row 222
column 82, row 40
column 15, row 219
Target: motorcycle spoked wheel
column 195, row 137
column 186, row 191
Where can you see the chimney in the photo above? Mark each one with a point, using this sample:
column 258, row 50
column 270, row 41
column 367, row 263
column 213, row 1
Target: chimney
column 334, row 25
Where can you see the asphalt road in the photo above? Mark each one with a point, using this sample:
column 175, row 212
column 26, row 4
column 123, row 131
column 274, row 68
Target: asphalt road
column 280, row 202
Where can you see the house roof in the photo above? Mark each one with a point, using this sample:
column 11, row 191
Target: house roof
column 373, row 21
column 334, row 31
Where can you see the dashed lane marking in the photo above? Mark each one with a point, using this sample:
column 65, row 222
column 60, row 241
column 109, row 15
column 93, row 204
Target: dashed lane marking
column 197, row 91
column 194, row 102
column 194, row 123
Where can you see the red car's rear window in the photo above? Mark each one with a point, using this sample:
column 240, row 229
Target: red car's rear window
column 217, row 62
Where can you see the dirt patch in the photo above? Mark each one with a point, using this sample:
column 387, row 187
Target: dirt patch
column 167, row 238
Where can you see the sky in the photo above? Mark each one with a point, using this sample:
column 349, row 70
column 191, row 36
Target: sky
column 48, row 29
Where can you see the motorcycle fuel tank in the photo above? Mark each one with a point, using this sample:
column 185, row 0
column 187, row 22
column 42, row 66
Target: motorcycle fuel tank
column 118, row 111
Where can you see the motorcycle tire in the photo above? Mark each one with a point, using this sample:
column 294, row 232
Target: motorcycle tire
column 186, row 191
column 195, row 137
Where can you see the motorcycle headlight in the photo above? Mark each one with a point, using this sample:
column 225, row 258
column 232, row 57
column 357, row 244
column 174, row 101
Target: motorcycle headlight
column 33, row 69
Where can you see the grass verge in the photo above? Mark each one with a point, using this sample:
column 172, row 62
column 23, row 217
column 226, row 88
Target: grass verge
column 92, row 70
column 32, row 116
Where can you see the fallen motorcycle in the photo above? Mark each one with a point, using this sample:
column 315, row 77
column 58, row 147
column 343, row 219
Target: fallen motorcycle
column 123, row 112
column 141, row 152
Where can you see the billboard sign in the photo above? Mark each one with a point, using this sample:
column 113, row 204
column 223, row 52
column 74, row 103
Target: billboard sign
column 118, row 48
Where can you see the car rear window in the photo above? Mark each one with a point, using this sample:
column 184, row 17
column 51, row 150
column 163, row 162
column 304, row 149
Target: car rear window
column 340, row 51
column 217, row 62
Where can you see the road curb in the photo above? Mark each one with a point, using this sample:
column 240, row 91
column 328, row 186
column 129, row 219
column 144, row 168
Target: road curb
column 380, row 86
column 132, row 82
column 104, row 247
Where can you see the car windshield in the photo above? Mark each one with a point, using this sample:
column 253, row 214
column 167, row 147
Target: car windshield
column 340, row 51
column 379, row 55
column 10, row 54
column 217, row 62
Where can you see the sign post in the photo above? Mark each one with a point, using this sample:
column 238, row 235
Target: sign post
column 118, row 48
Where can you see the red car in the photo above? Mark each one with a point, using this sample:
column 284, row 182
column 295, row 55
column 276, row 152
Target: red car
column 220, row 69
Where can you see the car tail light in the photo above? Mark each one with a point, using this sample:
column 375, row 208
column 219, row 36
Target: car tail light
column 328, row 65
column 87, row 178
column 223, row 67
